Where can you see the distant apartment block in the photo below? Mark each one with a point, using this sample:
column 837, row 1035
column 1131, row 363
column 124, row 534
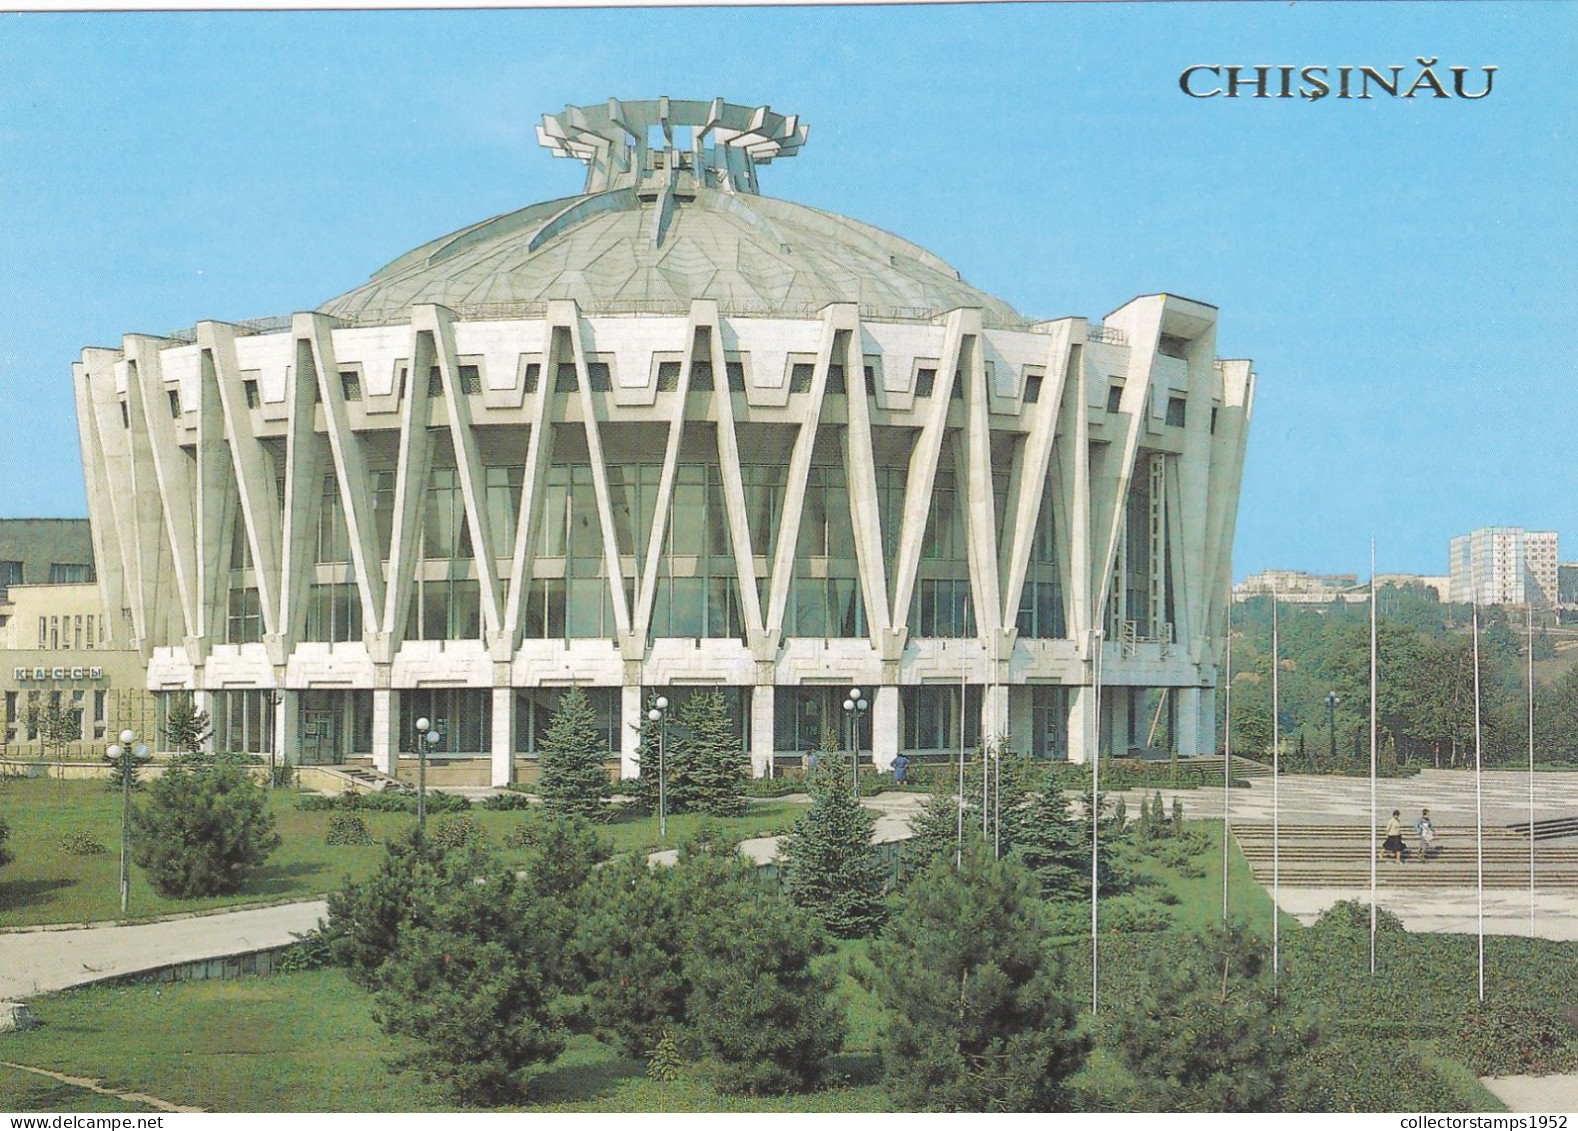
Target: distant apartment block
column 1504, row 565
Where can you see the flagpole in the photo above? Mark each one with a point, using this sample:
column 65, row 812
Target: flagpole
column 1276, row 811
column 1531, row 769
column 1095, row 824
column 1479, row 822
column 958, row 847
column 1227, row 744
column 1373, row 666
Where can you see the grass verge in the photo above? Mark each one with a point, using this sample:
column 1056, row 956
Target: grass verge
column 45, row 884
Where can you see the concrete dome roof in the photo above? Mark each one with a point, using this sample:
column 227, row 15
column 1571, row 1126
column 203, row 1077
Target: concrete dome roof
column 613, row 251
column 671, row 213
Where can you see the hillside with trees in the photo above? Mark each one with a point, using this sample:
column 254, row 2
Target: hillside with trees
column 1425, row 683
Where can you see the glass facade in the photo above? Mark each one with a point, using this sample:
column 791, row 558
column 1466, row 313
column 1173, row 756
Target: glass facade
column 463, row 717
column 802, row 714
column 243, row 720
column 535, row 708
column 932, row 717
column 942, row 605
column 824, row 593
column 1041, row 609
column 569, row 594
column 697, row 593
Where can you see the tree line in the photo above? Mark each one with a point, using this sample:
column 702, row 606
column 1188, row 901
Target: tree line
column 1425, row 685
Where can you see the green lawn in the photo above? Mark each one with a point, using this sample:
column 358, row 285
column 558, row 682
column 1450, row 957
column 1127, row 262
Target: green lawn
column 308, row 1042
column 45, row 885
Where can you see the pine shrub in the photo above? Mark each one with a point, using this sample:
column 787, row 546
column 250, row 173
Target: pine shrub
column 203, row 830
column 455, row 831
column 763, row 1010
column 1205, row 1032
column 979, row 1018
column 1354, row 915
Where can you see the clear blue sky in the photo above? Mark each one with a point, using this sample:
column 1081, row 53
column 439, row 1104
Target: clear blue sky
column 1403, row 273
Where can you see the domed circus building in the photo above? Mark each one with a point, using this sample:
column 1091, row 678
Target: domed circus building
column 671, row 434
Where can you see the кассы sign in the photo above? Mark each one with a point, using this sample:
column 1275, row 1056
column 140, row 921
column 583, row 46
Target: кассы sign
column 36, row 675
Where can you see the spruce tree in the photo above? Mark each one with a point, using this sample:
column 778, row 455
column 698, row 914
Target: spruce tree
column 934, row 831
column 1055, row 846
column 573, row 778
column 833, row 871
column 707, row 765
column 979, row 1017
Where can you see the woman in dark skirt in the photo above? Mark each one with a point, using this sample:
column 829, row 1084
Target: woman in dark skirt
column 1394, row 836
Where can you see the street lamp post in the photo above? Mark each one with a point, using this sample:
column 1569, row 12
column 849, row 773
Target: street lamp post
column 427, row 736
column 1331, row 718
column 659, row 715
column 127, row 752
column 854, row 707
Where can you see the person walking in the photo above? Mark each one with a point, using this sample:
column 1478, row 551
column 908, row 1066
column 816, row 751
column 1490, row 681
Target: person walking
column 1427, row 834
column 1394, row 836
column 901, row 766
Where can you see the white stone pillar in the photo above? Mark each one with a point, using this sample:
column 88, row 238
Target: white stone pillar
column 201, row 701
column 386, row 740
column 994, row 715
column 884, row 727
column 1081, row 722
column 503, row 735
column 1187, row 739
column 762, row 729
column 630, row 719
column 287, row 726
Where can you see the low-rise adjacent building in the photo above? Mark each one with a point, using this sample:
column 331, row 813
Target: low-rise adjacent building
column 57, row 646
column 1296, row 587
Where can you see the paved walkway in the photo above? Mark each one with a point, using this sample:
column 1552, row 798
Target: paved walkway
column 893, row 810
column 1535, row 1095
column 37, row 962
column 1449, row 795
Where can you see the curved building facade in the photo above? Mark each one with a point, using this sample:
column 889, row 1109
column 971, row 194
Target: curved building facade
column 667, row 434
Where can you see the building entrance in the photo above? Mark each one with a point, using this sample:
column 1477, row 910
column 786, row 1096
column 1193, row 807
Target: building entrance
column 320, row 738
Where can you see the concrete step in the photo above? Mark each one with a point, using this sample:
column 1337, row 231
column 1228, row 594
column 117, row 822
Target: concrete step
column 1339, row 856
column 1551, row 828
